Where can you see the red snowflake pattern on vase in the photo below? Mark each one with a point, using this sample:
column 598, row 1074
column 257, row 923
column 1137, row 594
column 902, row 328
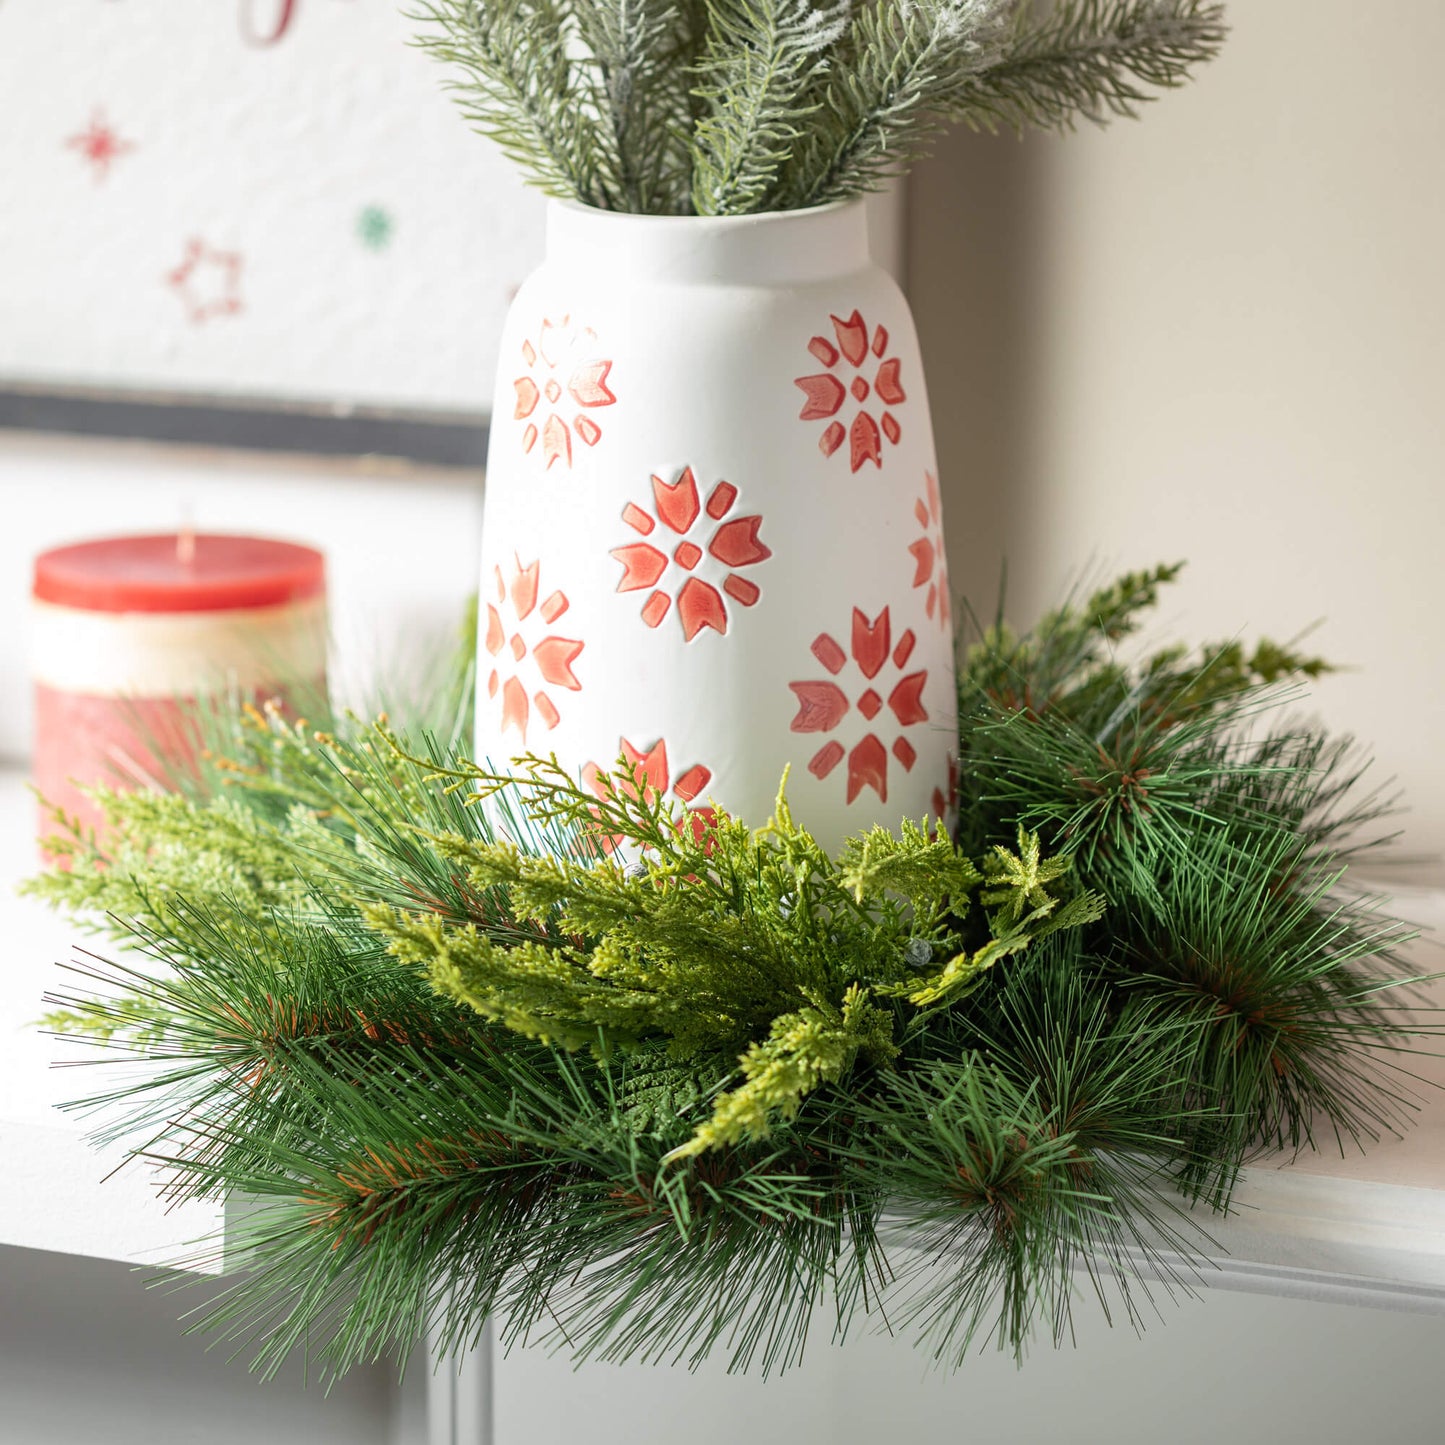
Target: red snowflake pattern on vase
column 823, row 705
column 520, row 641
column 651, row 771
column 930, row 567
column 943, row 801
column 828, row 391
column 561, row 373
column 732, row 545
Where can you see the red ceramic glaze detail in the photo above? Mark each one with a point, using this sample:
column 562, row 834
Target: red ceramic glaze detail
column 890, row 391
column 588, row 384
column 651, row 774
column 527, row 397
column 555, row 656
column 733, row 544
column 852, row 337
column 677, row 501
column 870, row 641
column 865, row 443
column 824, row 351
column 829, row 653
column 514, row 707
column 826, row 759
column 556, row 441
column 824, row 706
column 643, row 565
column 906, row 700
column 821, row 706
column 524, row 588
column 549, row 656
column 868, row 768
column 700, row 605
column 826, row 393
column 721, row 501
column 559, row 365
column 930, row 566
column 692, row 782
column 742, row 591
column 943, row 802
column 638, row 520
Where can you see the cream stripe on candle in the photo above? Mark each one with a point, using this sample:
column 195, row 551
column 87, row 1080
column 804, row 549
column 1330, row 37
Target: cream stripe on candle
column 170, row 654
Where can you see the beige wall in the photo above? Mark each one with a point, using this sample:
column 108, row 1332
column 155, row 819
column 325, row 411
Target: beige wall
column 1220, row 334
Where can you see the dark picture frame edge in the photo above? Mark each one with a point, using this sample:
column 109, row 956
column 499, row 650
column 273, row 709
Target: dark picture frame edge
column 438, row 439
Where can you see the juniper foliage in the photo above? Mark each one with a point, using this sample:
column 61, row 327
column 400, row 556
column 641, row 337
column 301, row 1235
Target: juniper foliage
column 468, row 1060
column 731, row 107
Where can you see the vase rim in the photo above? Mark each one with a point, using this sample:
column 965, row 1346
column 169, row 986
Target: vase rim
column 738, row 222
column 767, row 248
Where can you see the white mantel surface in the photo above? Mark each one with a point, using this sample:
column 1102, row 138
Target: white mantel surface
column 56, row 1194
column 1356, row 1227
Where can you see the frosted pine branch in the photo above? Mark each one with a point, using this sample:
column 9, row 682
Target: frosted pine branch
column 1094, row 58
column 517, row 87
column 761, row 60
column 879, row 109
column 727, row 107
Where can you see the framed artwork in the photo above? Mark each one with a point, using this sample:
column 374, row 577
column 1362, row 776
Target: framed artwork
column 248, row 223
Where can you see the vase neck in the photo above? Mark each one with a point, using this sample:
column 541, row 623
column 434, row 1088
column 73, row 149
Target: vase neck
column 775, row 248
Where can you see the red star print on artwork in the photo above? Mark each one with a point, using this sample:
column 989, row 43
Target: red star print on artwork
column 99, row 145
column 828, row 391
column 930, row 564
column 208, row 281
column 561, row 372
column 520, row 642
column 731, row 545
column 823, row 706
column 650, row 772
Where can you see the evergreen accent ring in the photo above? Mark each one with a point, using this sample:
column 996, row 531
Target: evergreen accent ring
column 640, row 1081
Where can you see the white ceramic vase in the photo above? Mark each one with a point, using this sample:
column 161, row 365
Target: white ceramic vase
column 712, row 537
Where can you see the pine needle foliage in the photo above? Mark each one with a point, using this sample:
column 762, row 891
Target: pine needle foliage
column 733, row 107
column 645, row 1083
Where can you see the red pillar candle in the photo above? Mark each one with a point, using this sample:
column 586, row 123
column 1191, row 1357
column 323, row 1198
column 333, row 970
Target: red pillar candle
column 129, row 630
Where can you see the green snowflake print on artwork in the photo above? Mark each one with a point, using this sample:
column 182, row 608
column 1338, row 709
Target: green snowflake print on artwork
column 375, row 228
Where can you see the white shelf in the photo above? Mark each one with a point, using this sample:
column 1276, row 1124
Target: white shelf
column 1368, row 1228
column 57, row 1195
